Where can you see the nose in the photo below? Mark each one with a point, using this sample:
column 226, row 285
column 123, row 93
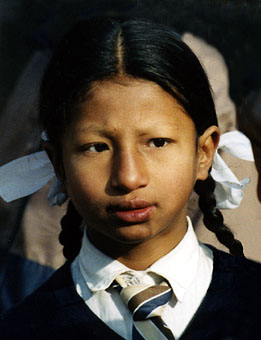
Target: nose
column 129, row 171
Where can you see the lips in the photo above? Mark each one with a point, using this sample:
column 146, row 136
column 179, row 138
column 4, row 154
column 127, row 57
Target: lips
column 133, row 211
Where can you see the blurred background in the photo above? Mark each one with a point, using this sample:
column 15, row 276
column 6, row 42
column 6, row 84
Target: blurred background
column 231, row 26
column 225, row 34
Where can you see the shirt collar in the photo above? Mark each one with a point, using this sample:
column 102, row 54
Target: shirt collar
column 180, row 265
column 99, row 270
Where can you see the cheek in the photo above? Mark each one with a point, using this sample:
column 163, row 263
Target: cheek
column 182, row 171
column 86, row 198
column 176, row 181
column 82, row 184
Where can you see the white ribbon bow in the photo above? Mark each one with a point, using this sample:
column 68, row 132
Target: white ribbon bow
column 28, row 174
column 229, row 190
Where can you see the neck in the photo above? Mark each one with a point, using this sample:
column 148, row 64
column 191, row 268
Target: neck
column 138, row 256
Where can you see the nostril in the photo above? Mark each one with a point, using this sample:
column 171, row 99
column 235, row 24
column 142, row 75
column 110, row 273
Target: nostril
column 127, row 184
column 121, row 189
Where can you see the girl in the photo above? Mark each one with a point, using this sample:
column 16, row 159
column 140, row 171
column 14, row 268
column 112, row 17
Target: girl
column 131, row 130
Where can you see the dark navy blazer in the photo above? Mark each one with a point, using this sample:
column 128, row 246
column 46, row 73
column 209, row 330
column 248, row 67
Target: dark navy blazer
column 230, row 310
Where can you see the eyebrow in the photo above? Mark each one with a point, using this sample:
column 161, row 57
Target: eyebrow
column 93, row 128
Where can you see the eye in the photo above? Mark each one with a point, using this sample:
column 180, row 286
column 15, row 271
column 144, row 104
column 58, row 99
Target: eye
column 97, row 147
column 158, row 142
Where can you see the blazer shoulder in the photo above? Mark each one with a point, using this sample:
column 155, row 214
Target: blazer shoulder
column 245, row 273
column 38, row 309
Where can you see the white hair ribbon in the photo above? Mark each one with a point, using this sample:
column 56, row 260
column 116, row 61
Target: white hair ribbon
column 229, row 190
column 25, row 175
column 28, row 174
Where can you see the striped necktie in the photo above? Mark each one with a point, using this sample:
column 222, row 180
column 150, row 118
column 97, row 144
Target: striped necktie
column 146, row 304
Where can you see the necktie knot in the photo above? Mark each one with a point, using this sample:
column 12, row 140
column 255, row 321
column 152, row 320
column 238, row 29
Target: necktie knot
column 146, row 303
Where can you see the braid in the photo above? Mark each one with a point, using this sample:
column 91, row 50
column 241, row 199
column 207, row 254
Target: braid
column 71, row 235
column 213, row 218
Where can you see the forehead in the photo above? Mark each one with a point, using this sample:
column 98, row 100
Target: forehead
column 135, row 102
column 123, row 88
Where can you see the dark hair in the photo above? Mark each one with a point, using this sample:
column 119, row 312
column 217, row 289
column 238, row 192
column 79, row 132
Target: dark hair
column 102, row 48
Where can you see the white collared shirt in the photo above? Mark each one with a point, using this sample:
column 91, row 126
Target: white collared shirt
column 188, row 268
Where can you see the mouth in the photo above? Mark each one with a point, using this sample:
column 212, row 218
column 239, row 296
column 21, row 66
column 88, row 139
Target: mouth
column 133, row 211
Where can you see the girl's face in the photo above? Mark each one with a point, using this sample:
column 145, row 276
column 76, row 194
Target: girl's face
column 130, row 162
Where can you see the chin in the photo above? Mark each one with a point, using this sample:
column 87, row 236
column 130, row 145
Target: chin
column 132, row 234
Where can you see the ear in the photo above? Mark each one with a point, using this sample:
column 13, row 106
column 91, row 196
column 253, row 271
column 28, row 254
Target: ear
column 56, row 162
column 207, row 145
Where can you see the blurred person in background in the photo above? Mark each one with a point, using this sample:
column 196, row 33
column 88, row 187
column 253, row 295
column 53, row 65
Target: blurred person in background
column 250, row 124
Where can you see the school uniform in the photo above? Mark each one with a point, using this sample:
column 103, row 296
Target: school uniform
column 215, row 296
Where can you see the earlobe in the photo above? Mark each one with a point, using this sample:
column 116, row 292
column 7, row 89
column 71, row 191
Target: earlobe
column 56, row 162
column 207, row 145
